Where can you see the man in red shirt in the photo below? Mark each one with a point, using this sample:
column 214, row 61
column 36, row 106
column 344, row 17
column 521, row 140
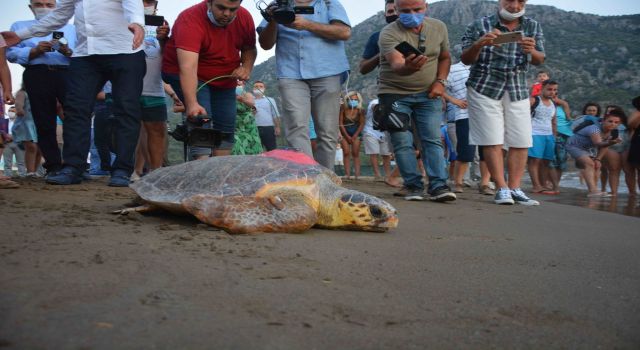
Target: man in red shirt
column 212, row 44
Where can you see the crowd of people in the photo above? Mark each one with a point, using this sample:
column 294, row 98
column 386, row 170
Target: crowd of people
column 106, row 79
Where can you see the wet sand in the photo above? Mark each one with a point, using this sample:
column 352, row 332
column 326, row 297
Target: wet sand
column 465, row 274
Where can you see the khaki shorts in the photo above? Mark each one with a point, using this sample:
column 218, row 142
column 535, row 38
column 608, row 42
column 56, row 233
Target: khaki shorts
column 499, row 122
column 374, row 145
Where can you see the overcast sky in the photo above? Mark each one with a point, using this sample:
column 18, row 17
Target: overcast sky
column 358, row 11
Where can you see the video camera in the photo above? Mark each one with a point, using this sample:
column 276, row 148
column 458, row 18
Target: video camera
column 198, row 136
column 284, row 11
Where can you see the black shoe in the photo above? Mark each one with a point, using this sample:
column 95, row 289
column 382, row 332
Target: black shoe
column 415, row 194
column 119, row 178
column 442, row 194
column 66, row 176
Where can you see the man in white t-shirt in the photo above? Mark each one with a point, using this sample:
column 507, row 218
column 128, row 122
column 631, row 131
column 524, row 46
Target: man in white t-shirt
column 376, row 143
column 267, row 117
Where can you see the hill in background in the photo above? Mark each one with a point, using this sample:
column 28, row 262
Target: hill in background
column 595, row 58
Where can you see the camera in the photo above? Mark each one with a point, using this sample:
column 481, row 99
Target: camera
column 284, row 11
column 615, row 134
column 198, row 136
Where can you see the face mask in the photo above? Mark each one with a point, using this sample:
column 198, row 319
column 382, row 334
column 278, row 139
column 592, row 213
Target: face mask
column 239, row 90
column 391, row 19
column 257, row 92
column 151, row 10
column 353, row 103
column 41, row 12
column 12, row 115
column 215, row 22
column 411, row 20
column 508, row 16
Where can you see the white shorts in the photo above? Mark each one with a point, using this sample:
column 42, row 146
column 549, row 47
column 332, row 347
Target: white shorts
column 374, row 145
column 499, row 122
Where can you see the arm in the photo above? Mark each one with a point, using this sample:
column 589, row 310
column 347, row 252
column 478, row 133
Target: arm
column 267, row 37
column 20, row 99
column 444, row 64
column 134, row 14
column 169, row 91
column 565, row 107
column 529, row 48
column 55, row 20
column 188, row 62
column 275, row 115
column 470, row 54
column 335, row 30
column 343, row 131
column 554, row 124
column 247, row 58
column 367, row 65
column 5, row 78
column 634, row 120
column 405, row 66
column 450, row 99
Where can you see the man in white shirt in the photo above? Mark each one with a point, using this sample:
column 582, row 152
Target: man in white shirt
column 108, row 48
column 267, row 117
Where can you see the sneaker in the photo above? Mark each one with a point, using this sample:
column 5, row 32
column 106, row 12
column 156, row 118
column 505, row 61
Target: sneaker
column 486, row 190
column 119, row 178
column 442, row 194
column 414, row 195
column 521, row 198
column 503, row 196
column 66, row 176
column 401, row 192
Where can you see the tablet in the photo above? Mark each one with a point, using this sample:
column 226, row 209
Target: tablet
column 509, row 37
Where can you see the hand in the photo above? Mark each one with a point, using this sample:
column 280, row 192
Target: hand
column 415, row 62
column 11, row 38
column 138, row 34
column 300, row 23
column 162, row 32
column 460, row 103
column 195, row 110
column 528, row 45
column 8, row 98
column 487, row 39
column 176, row 100
column 277, row 131
column 43, row 47
column 8, row 138
column 615, row 141
column 65, row 50
column 597, row 164
column 241, row 73
column 436, row 90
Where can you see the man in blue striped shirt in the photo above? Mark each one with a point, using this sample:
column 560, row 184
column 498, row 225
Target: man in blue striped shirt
column 499, row 111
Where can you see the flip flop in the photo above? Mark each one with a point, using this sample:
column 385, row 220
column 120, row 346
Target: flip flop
column 388, row 183
column 550, row 192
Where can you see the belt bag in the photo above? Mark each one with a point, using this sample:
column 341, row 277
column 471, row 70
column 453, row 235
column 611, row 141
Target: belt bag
column 386, row 119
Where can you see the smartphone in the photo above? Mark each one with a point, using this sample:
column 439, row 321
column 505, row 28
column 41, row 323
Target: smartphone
column 407, row 49
column 152, row 20
column 58, row 35
column 510, row 37
column 615, row 133
column 304, row 10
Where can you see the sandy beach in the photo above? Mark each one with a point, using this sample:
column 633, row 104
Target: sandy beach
column 464, row 274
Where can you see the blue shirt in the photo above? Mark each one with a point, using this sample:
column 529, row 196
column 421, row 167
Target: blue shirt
column 564, row 124
column 301, row 54
column 20, row 53
column 371, row 48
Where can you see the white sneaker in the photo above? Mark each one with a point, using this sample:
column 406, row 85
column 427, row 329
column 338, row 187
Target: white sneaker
column 521, row 198
column 503, row 196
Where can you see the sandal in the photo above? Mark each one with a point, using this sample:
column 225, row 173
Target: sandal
column 6, row 184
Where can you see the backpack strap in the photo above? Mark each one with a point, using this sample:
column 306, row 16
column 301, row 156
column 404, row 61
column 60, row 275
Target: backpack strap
column 535, row 105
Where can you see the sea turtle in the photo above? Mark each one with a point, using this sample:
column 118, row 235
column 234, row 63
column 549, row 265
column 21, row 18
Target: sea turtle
column 278, row 191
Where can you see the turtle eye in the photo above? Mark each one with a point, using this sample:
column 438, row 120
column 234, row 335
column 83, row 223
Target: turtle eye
column 376, row 212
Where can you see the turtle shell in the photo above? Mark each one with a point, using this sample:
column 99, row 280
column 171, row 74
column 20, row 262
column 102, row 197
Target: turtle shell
column 224, row 177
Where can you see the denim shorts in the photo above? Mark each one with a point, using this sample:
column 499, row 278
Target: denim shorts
column 560, row 160
column 220, row 104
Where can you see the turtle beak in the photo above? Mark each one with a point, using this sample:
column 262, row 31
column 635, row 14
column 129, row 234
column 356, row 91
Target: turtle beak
column 390, row 222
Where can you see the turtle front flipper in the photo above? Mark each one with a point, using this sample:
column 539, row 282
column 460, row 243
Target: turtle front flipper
column 281, row 211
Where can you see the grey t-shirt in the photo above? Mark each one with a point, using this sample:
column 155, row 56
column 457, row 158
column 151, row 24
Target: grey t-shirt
column 436, row 41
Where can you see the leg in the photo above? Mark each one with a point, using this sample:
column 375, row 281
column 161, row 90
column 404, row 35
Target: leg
column 386, row 165
column 296, row 111
column 22, row 170
column 126, row 72
column 534, row 165
column 31, row 158
column 589, row 173
column 325, row 93
column 267, row 137
column 629, row 173
column 516, row 163
column 103, row 132
column 7, row 154
column 142, row 152
column 373, row 158
column 346, row 157
column 427, row 115
column 156, row 139
column 355, row 154
column 614, row 166
column 223, row 107
column 41, row 85
column 494, row 160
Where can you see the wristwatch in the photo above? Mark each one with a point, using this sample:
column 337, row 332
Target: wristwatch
column 442, row 81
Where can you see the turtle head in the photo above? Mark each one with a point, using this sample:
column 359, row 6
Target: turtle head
column 353, row 210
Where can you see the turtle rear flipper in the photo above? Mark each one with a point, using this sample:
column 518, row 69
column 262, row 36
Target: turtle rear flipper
column 279, row 212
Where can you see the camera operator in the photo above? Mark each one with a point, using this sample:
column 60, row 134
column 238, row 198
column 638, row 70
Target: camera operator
column 214, row 44
column 46, row 62
column 310, row 60
column 109, row 37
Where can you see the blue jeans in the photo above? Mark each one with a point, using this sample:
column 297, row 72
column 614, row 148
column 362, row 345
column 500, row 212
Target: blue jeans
column 426, row 115
column 220, row 104
column 87, row 76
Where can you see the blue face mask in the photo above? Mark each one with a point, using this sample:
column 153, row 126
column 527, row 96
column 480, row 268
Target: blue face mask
column 411, row 20
column 239, row 90
column 215, row 22
column 353, row 103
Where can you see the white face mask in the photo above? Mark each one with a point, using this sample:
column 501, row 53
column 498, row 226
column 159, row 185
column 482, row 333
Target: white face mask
column 41, row 12
column 257, row 92
column 12, row 115
column 151, row 10
column 508, row 16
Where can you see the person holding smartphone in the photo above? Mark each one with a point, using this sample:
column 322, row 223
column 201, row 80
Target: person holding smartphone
column 46, row 61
